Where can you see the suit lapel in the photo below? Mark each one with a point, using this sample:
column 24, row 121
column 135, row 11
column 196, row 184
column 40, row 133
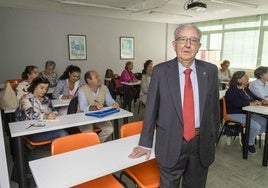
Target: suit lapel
column 202, row 76
column 173, row 81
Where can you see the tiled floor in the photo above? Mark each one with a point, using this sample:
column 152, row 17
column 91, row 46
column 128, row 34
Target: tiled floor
column 229, row 170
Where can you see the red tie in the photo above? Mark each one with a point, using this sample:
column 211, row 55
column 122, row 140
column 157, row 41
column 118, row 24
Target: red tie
column 188, row 108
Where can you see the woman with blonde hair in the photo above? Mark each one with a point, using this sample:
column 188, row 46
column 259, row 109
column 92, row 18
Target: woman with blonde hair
column 224, row 74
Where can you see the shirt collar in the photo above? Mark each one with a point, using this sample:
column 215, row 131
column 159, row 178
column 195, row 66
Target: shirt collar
column 182, row 68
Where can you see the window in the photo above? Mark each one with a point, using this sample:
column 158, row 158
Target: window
column 241, row 48
column 243, row 41
column 264, row 57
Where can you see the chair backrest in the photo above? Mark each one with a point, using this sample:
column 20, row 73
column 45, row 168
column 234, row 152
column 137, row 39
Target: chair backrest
column 130, row 129
column 117, row 81
column 14, row 82
column 138, row 75
column 74, row 142
column 224, row 110
column 73, row 105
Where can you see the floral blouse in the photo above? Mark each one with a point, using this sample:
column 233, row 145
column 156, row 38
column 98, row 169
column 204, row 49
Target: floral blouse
column 31, row 108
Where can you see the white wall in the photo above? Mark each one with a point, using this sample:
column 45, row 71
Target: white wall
column 30, row 37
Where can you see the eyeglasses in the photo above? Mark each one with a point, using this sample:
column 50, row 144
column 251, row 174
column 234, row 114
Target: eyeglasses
column 184, row 40
column 36, row 125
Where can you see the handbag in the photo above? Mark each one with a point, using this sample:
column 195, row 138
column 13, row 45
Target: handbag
column 8, row 99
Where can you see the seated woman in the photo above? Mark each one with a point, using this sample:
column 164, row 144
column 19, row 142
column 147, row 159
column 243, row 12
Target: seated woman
column 224, row 74
column 237, row 96
column 260, row 86
column 37, row 106
column 50, row 74
column 68, row 85
column 127, row 75
column 145, row 82
column 29, row 73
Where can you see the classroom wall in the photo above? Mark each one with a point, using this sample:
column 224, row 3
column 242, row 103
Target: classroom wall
column 30, row 37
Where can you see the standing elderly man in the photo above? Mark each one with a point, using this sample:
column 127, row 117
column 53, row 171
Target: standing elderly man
column 183, row 107
column 94, row 96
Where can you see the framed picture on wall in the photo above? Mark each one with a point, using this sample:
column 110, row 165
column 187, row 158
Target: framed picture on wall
column 77, row 47
column 126, row 47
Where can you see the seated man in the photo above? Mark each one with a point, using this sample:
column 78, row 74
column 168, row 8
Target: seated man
column 94, row 96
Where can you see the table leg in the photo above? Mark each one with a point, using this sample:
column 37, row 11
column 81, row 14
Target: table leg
column 265, row 149
column 126, row 97
column 245, row 144
column 19, row 160
column 116, row 129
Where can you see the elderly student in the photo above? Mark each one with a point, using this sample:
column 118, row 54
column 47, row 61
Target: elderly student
column 237, row 96
column 94, row 96
column 224, row 74
column 36, row 105
column 50, row 74
column 146, row 79
column 260, row 86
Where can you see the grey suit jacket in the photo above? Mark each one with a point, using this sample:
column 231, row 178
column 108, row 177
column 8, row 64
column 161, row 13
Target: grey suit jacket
column 164, row 111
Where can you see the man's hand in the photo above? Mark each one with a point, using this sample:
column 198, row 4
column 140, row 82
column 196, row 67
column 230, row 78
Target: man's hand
column 99, row 105
column 115, row 105
column 139, row 151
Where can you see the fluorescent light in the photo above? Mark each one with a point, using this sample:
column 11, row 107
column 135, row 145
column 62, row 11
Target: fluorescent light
column 169, row 14
column 235, row 3
column 94, row 5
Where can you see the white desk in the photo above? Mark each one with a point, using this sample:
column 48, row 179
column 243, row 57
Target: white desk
column 60, row 102
column 18, row 129
column 55, row 103
column 262, row 110
column 79, row 166
column 65, row 121
column 222, row 93
column 131, row 83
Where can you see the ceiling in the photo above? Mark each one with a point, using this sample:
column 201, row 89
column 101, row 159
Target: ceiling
column 164, row 11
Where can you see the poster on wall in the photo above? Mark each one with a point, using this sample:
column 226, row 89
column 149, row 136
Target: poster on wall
column 126, row 47
column 77, row 47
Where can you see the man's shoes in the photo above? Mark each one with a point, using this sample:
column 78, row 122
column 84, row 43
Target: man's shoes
column 251, row 149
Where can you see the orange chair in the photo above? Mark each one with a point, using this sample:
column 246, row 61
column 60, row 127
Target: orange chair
column 14, row 82
column 29, row 141
column 41, row 143
column 81, row 140
column 144, row 175
column 228, row 121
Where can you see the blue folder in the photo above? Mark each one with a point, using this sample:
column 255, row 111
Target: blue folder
column 103, row 113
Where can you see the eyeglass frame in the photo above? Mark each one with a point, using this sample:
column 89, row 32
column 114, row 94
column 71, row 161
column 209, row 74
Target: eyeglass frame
column 184, row 40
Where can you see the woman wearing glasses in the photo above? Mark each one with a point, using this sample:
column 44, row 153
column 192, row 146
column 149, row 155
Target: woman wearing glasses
column 238, row 96
column 37, row 106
